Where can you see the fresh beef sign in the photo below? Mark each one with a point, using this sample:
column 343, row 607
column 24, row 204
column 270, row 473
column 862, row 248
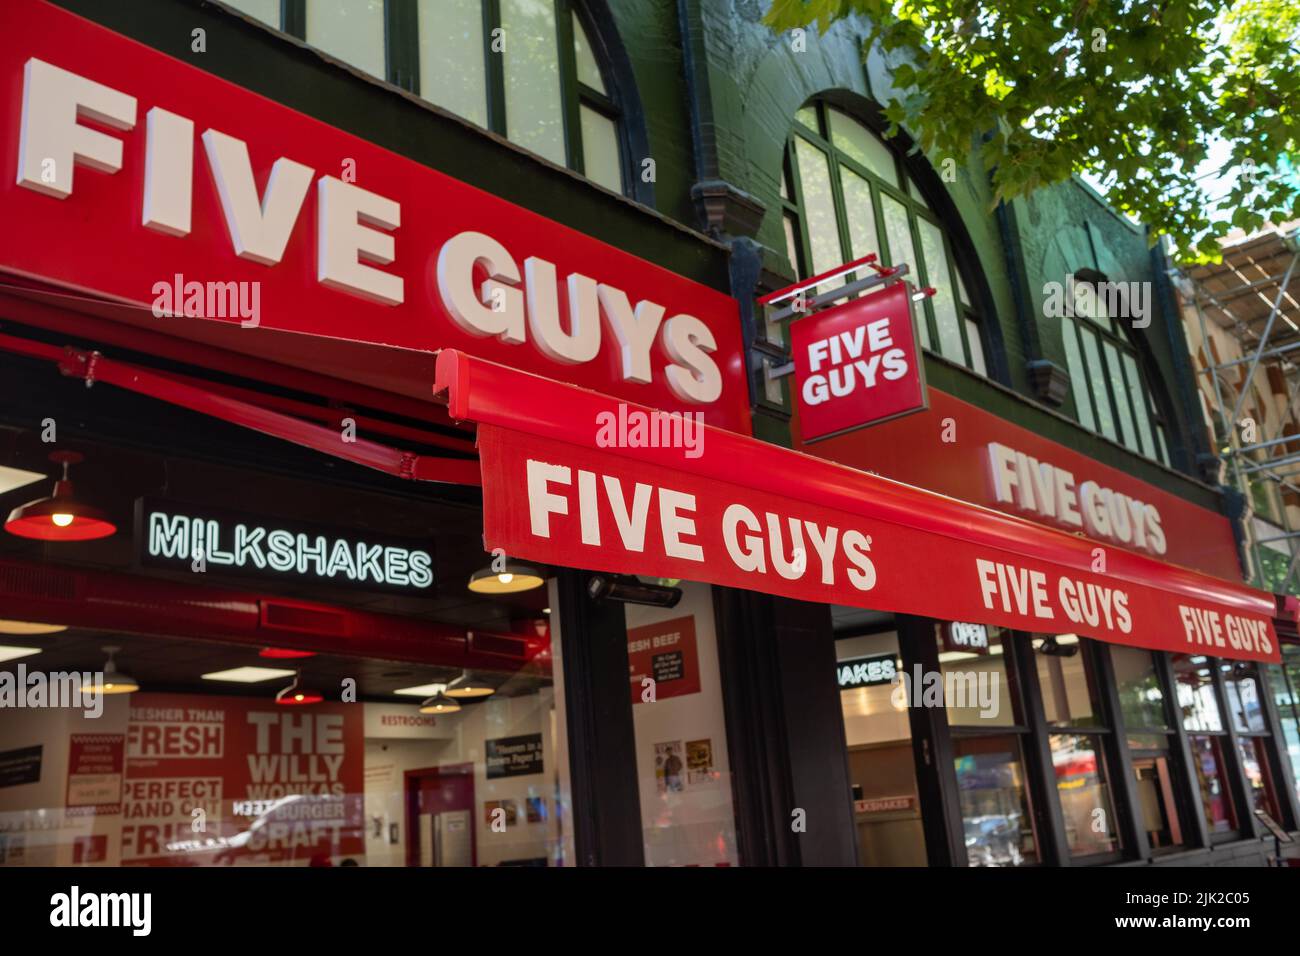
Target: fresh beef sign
column 137, row 177
column 857, row 364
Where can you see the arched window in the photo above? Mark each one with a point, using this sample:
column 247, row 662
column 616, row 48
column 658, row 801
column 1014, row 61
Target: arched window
column 526, row 69
column 1110, row 393
column 845, row 193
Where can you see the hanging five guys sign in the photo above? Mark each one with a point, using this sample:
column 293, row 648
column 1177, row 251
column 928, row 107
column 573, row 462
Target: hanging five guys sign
column 134, row 176
column 857, row 363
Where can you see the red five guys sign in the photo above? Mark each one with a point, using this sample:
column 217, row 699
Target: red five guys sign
column 742, row 513
column 857, row 364
column 133, row 176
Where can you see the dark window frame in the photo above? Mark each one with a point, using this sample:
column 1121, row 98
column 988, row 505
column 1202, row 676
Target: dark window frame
column 793, row 206
column 1106, row 333
column 402, row 69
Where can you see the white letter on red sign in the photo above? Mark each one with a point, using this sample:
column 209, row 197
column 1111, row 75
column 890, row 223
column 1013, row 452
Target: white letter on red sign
column 50, row 140
column 344, row 224
column 635, row 331
column 259, row 227
column 541, row 502
column 498, row 308
column 168, row 172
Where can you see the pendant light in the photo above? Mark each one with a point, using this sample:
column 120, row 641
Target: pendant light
column 61, row 517
column 296, row 695
column 439, row 703
column 112, row 680
column 466, row 688
column 512, row 579
column 283, row 653
column 29, row 627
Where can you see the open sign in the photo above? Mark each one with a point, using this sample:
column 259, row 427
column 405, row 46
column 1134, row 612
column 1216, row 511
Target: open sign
column 857, row 364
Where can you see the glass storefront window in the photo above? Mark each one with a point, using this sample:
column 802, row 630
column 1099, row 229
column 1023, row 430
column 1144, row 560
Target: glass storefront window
column 995, row 806
column 1254, row 762
column 1156, row 788
column 1241, row 686
column 1081, row 784
column 882, row 769
column 1066, row 681
column 295, row 714
column 681, row 740
column 1207, row 757
column 1283, row 681
column 973, row 666
column 1141, row 698
column 1196, row 699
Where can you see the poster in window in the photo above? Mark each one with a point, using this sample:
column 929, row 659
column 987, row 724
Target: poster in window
column 666, row 653
column 95, row 763
column 507, row 816
column 699, row 763
column 238, row 779
column 669, row 767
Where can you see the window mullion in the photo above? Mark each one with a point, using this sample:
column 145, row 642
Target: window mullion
column 495, row 73
column 796, row 187
column 293, row 16
column 570, row 95
column 402, row 44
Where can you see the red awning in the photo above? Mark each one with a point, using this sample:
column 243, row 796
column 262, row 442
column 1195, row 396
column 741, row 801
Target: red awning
column 575, row 478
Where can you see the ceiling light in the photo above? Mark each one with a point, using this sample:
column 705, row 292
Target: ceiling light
column 284, row 653
column 466, row 688
column 510, row 580
column 11, row 478
column 248, row 675
column 297, row 695
column 61, row 517
column 8, row 653
column 439, row 703
column 30, row 627
column 423, row 690
column 111, row 680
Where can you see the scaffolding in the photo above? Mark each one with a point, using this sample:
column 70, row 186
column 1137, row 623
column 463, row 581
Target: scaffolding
column 1253, row 295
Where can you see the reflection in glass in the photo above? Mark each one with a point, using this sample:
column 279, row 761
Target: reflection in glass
column 1141, row 699
column 452, row 71
column 819, row 207
column 861, row 214
column 534, row 118
column 1066, row 681
column 943, row 300
column 353, row 31
column 588, row 68
column 976, row 691
column 600, row 156
column 1155, row 786
column 1241, row 685
column 1196, row 698
column 863, row 146
column 1254, row 763
column 1081, row 786
column 1207, row 757
column 995, row 809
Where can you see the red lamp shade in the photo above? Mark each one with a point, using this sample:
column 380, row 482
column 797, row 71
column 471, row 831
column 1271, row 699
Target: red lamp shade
column 61, row 517
column 284, row 653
